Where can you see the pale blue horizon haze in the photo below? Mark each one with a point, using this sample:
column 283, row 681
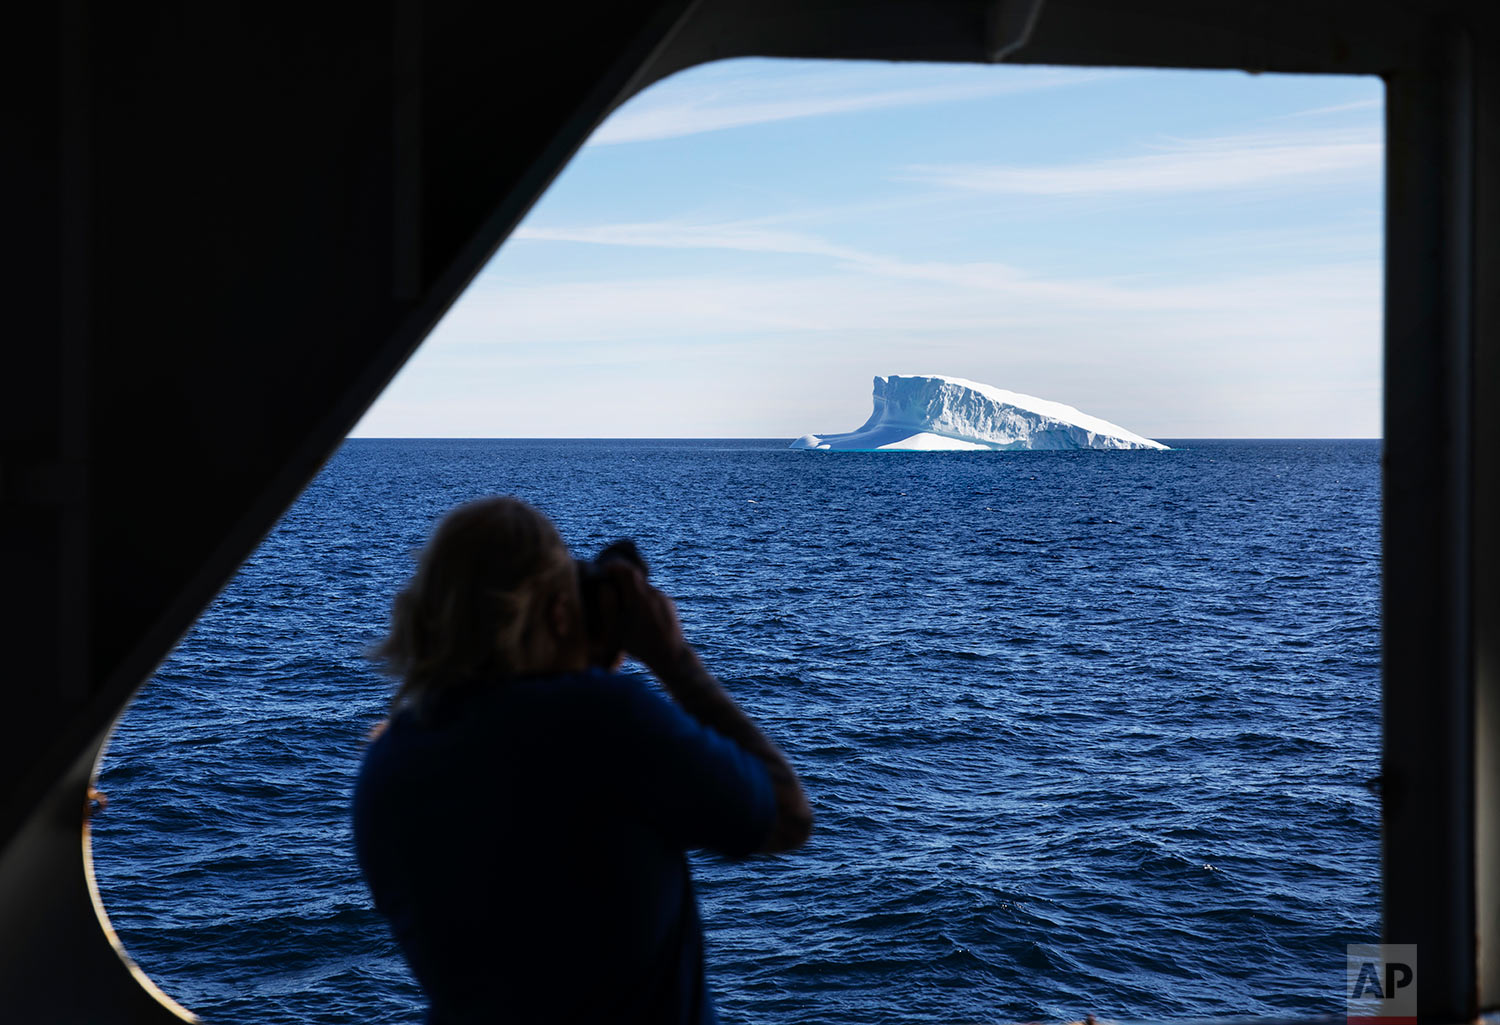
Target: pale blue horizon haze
column 738, row 250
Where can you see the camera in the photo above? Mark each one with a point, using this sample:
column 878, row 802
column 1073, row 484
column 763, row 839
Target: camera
column 604, row 606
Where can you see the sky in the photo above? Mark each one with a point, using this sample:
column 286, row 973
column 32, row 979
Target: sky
column 739, row 250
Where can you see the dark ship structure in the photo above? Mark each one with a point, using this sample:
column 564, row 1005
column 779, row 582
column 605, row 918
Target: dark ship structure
column 228, row 224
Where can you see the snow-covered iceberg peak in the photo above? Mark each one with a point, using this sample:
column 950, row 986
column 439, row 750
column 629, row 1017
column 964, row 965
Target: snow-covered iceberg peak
column 935, row 412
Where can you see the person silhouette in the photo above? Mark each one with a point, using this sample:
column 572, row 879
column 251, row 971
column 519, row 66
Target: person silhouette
column 522, row 818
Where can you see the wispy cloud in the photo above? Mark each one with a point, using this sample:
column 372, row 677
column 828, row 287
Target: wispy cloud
column 988, row 277
column 677, row 108
column 741, row 236
column 853, row 289
column 751, row 238
column 1233, row 162
column 1339, row 108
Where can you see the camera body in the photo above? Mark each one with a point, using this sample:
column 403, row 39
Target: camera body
column 605, row 606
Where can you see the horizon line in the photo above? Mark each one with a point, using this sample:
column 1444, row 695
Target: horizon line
column 492, row 437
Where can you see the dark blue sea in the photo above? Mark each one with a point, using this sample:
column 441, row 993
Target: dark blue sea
column 1089, row 732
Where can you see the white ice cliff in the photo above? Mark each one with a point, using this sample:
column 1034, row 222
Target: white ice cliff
column 934, row 412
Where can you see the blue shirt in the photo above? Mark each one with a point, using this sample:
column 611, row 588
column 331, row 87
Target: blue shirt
column 525, row 840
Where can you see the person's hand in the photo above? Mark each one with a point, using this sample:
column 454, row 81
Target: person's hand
column 649, row 631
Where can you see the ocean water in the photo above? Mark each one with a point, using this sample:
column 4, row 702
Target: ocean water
column 1086, row 732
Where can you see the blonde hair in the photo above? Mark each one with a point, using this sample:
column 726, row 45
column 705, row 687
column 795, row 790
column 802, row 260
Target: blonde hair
column 476, row 605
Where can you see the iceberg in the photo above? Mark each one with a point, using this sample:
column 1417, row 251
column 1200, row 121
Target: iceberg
column 935, row 413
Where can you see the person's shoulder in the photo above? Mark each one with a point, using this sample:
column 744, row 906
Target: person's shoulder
column 429, row 727
column 595, row 689
column 599, row 706
column 388, row 743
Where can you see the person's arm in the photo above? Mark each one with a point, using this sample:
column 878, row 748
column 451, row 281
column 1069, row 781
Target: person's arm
column 654, row 637
column 702, row 697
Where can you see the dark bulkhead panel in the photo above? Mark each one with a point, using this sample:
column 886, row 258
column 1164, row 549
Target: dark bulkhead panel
column 228, row 226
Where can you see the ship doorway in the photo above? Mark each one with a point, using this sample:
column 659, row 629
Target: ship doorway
column 1079, row 726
